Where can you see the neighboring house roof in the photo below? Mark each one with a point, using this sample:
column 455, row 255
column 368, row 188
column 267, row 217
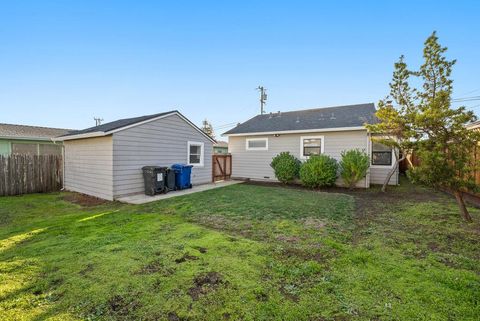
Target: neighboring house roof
column 318, row 119
column 473, row 125
column 121, row 124
column 12, row 131
column 221, row 144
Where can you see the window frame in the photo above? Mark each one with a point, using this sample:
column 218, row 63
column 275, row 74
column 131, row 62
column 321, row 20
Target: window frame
column 256, row 139
column 202, row 153
column 322, row 145
column 380, row 165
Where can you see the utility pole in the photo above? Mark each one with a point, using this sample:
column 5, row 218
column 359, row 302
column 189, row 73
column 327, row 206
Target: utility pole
column 263, row 98
column 98, row 121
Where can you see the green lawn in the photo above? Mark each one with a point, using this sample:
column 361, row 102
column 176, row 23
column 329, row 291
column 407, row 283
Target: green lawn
column 244, row 252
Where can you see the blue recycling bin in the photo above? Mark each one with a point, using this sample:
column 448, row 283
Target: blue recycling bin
column 183, row 173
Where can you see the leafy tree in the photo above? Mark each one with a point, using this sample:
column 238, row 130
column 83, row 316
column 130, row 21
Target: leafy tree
column 286, row 167
column 446, row 146
column 424, row 120
column 207, row 128
column 353, row 166
column 396, row 114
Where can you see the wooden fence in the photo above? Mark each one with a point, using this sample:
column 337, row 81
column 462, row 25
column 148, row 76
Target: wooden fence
column 23, row 174
column 475, row 173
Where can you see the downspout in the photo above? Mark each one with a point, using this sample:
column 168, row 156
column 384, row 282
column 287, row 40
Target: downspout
column 63, row 163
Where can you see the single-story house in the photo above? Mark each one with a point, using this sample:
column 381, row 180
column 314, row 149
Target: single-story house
column 106, row 161
column 307, row 132
column 220, row 147
column 29, row 140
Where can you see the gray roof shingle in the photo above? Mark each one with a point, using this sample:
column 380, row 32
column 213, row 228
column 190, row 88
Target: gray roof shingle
column 318, row 118
column 118, row 124
column 33, row 132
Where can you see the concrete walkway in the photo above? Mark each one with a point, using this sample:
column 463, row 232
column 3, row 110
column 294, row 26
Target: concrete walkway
column 142, row 198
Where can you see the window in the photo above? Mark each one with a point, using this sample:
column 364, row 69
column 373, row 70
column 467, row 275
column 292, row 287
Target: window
column 257, row 144
column 381, row 154
column 24, row 149
column 311, row 145
column 195, row 153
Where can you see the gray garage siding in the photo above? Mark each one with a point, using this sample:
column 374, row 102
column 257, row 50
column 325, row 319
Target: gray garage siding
column 256, row 164
column 88, row 166
column 161, row 142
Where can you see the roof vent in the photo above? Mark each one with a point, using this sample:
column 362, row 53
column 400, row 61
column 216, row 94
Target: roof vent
column 271, row 115
column 321, row 117
column 333, row 116
column 298, row 120
column 279, row 114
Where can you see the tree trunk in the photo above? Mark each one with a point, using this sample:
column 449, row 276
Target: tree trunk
column 391, row 172
column 461, row 204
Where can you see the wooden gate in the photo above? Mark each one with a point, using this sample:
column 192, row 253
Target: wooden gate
column 221, row 167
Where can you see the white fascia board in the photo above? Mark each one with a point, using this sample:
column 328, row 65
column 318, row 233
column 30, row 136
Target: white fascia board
column 338, row 129
column 80, row 136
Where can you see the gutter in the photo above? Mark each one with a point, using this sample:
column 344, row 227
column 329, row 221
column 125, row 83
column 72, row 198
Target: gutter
column 318, row 130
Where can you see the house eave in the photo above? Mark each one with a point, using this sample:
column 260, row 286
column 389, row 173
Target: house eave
column 80, row 136
column 318, row 130
column 25, row 138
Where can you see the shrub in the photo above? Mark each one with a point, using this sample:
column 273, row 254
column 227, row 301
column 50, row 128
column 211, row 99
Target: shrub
column 286, row 167
column 353, row 166
column 319, row 171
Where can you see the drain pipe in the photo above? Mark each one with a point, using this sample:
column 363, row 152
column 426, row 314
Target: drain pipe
column 63, row 163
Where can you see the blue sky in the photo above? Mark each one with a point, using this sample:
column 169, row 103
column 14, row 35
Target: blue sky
column 64, row 62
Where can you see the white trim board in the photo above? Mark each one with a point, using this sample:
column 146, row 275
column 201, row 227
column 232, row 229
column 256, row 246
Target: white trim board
column 202, row 153
column 319, row 130
column 102, row 133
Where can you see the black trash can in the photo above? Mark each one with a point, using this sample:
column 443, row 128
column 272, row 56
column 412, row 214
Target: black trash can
column 170, row 180
column 154, row 179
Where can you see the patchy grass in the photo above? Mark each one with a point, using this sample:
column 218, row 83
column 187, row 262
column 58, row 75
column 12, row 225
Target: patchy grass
column 243, row 252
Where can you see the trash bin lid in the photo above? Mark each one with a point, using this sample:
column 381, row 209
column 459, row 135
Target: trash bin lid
column 180, row 166
column 154, row 168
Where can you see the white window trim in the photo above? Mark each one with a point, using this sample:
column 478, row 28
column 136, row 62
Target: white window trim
column 202, row 154
column 380, row 166
column 322, row 145
column 256, row 139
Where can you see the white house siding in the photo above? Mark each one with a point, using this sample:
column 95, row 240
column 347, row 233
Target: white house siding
column 88, row 166
column 162, row 142
column 255, row 164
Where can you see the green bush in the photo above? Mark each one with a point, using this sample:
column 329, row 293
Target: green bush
column 286, row 167
column 353, row 166
column 319, row 171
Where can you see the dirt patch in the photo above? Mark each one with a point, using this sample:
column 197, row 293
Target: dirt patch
column 205, row 283
column 84, row 200
column 186, row 257
column 201, row 249
column 123, row 306
column 172, row 316
column 288, row 291
column 314, row 223
column 303, row 254
column 87, row 269
column 156, row 266
column 288, row 239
